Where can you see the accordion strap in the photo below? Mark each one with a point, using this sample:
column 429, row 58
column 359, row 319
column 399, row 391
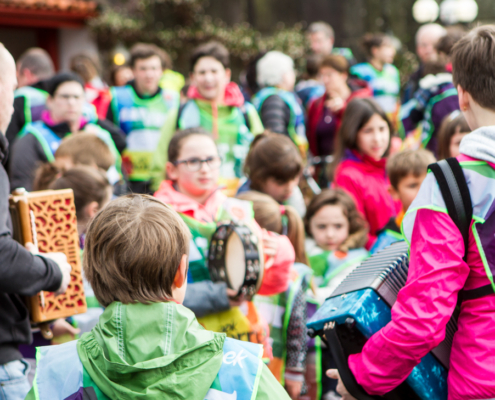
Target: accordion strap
column 455, row 193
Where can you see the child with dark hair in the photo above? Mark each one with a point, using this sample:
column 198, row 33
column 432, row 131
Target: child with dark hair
column 444, row 265
column 453, row 129
column 217, row 105
column 146, row 345
column 273, row 166
column 363, row 144
column 310, row 86
column 65, row 116
column 435, row 99
column 380, row 73
column 406, row 171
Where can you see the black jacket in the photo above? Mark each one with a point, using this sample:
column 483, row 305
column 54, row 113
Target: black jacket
column 28, row 154
column 275, row 114
column 21, row 274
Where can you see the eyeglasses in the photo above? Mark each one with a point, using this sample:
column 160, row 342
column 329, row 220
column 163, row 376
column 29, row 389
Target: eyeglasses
column 195, row 164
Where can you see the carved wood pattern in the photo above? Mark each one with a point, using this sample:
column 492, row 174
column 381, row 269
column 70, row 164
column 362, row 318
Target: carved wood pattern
column 56, row 228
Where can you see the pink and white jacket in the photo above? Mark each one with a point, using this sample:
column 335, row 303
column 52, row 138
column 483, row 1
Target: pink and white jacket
column 437, row 273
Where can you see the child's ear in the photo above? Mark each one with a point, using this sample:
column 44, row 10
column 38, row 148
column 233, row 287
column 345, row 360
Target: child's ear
column 171, row 171
column 394, row 193
column 91, row 209
column 181, row 274
column 463, row 98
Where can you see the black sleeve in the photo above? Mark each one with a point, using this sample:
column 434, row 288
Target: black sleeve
column 17, row 122
column 117, row 134
column 109, row 116
column 26, row 156
column 20, row 271
column 275, row 115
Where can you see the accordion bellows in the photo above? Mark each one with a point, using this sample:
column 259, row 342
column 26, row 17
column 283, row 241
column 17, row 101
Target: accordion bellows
column 52, row 215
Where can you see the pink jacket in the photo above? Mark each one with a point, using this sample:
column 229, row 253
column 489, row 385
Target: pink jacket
column 185, row 205
column 437, row 273
column 366, row 180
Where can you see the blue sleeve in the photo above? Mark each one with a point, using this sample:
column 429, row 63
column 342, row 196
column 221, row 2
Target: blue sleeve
column 204, row 298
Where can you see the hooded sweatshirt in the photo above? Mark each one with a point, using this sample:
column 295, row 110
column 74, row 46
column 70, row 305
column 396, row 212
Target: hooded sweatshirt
column 437, row 272
column 227, row 123
column 152, row 351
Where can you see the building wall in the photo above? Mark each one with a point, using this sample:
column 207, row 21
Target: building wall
column 75, row 41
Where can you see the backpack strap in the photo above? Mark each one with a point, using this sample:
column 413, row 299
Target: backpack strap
column 245, row 114
column 179, row 114
column 455, row 193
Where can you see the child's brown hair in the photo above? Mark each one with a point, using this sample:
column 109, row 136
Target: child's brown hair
column 356, row 115
column 175, row 145
column 358, row 227
column 268, row 214
column 133, row 250
column 472, row 65
column 451, row 124
column 371, row 40
column 408, row 162
column 272, row 155
column 86, row 149
column 87, row 183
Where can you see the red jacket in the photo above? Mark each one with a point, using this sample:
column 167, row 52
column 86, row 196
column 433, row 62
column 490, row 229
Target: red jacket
column 359, row 89
column 366, row 180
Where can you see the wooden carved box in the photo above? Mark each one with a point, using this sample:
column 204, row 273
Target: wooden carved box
column 48, row 219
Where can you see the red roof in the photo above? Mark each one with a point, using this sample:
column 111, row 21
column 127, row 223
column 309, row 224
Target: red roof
column 46, row 13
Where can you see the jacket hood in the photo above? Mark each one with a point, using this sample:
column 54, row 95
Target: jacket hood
column 233, row 95
column 359, row 88
column 185, row 205
column 480, row 144
column 430, row 81
column 151, row 351
column 367, row 163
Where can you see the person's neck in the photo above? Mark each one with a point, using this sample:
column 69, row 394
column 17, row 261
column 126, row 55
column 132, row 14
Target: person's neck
column 73, row 125
column 482, row 116
column 377, row 64
column 201, row 199
column 142, row 92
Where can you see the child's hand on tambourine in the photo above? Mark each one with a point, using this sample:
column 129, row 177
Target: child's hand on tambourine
column 293, row 388
column 334, row 374
column 235, row 301
column 270, row 247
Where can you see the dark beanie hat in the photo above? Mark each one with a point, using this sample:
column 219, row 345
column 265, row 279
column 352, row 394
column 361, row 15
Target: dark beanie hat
column 60, row 78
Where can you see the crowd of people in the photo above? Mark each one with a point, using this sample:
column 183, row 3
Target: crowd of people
column 156, row 162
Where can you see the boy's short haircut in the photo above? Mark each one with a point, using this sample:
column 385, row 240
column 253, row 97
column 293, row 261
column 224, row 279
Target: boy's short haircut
column 133, row 250
column 408, row 162
column 211, row 49
column 86, row 149
column 272, row 155
column 473, row 67
column 143, row 51
column 336, row 62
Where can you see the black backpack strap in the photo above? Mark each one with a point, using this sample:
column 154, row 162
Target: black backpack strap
column 455, row 192
column 179, row 113
column 245, row 114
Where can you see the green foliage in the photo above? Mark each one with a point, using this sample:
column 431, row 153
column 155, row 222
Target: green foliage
column 179, row 25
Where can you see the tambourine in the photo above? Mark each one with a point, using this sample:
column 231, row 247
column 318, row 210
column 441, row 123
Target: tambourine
column 235, row 257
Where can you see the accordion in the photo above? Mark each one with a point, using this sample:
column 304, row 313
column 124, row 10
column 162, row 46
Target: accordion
column 48, row 219
column 360, row 306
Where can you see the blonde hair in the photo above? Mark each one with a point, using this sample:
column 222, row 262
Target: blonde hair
column 268, row 214
column 133, row 250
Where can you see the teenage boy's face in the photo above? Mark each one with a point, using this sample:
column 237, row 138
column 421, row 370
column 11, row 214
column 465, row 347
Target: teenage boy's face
column 407, row 189
column 279, row 191
column 203, row 181
column 147, row 73
column 67, row 103
column 374, row 137
column 210, row 78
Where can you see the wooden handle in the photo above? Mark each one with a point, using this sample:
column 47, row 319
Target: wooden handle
column 25, row 220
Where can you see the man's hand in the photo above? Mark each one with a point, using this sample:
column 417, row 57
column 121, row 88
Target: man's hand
column 61, row 260
column 334, row 374
column 62, row 327
column 335, row 104
column 293, row 388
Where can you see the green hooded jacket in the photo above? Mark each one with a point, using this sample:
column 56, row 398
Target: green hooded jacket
column 154, row 351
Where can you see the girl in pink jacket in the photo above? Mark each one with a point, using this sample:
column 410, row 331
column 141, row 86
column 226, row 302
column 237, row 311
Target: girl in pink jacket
column 438, row 272
column 362, row 147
